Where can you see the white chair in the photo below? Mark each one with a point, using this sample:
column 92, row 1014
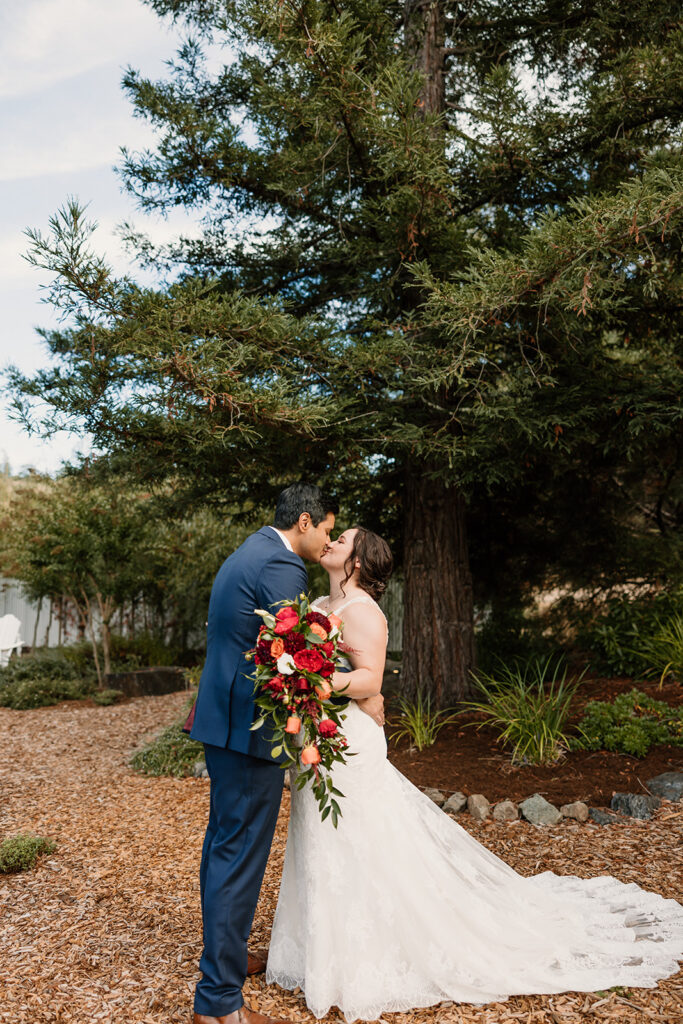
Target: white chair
column 10, row 638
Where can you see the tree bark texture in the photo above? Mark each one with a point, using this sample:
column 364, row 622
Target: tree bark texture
column 438, row 622
column 424, row 38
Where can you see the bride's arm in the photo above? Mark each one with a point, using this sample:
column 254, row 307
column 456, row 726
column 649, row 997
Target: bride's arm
column 365, row 632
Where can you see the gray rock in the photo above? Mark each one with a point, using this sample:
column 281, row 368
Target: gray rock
column 505, row 810
column 455, row 803
column 205, row 774
column 636, row 805
column 436, row 795
column 601, row 817
column 199, row 769
column 578, row 811
column 538, row 811
column 478, row 806
column 668, row 785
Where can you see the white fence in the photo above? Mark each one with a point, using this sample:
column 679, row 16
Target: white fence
column 37, row 621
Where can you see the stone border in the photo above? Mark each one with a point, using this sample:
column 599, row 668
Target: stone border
column 539, row 811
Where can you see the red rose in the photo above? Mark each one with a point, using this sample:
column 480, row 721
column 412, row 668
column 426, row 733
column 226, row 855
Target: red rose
column 327, row 669
column 286, row 619
column 327, row 648
column 308, row 661
column 327, row 727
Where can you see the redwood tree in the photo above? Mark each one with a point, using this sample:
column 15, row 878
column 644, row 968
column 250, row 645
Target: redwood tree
column 439, row 260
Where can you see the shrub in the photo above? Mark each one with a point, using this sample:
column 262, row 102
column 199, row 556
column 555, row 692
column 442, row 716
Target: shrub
column 40, row 693
column 106, row 697
column 45, row 664
column 620, row 637
column 172, row 752
column 662, row 653
column 19, row 853
column 631, row 724
column 528, row 704
column 419, row 722
column 140, row 651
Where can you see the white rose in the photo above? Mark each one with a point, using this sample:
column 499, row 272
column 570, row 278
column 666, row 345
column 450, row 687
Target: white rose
column 285, row 664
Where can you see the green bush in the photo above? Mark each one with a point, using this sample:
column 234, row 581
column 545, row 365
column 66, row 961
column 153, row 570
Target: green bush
column 172, row 752
column 19, row 853
column 143, row 650
column 528, row 704
column 106, row 697
column 631, row 724
column 41, row 692
column 619, row 637
column 45, row 664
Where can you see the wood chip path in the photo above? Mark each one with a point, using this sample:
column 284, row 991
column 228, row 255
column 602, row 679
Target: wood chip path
column 108, row 927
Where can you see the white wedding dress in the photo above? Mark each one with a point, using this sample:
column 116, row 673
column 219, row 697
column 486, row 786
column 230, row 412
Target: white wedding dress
column 400, row 908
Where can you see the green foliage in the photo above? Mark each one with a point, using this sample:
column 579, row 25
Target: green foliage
column 143, row 650
column 42, row 692
column 420, row 722
column 662, row 652
column 528, row 705
column 19, row 853
column 509, row 634
column 44, row 678
column 629, row 637
column 172, row 752
column 106, row 697
column 631, row 724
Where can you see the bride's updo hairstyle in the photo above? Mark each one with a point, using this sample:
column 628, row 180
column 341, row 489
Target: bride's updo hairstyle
column 376, row 562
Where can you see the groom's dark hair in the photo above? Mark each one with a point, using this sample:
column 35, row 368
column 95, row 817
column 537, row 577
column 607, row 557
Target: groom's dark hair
column 299, row 498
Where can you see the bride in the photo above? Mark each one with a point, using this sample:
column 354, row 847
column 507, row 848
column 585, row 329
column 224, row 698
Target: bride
column 400, row 908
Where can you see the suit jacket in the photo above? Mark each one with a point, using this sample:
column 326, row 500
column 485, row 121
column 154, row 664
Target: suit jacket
column 259, row 573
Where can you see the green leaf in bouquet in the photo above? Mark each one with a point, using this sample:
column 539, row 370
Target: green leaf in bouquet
column 312, row 637
column 257, row 724
column 276, row 751
column 325, row 813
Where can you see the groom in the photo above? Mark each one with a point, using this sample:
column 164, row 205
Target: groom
column 246, row 782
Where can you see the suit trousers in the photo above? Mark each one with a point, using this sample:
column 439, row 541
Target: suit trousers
column 245, row 798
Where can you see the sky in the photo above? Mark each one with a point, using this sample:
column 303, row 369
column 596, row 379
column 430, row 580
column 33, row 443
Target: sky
column 64, row 117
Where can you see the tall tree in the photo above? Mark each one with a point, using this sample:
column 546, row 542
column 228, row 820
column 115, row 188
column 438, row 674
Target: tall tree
column 440, row 257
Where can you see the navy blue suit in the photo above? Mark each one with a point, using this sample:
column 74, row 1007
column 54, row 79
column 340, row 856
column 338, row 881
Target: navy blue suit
column 246, row 782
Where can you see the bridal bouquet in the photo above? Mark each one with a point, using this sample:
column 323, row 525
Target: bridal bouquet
column 297, row 650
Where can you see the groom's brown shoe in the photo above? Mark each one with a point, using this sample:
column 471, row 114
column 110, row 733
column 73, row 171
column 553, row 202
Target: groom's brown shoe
column 242, row 1016
column 256, row 961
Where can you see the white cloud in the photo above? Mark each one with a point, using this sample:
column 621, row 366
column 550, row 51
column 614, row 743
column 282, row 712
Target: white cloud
column 45, row 41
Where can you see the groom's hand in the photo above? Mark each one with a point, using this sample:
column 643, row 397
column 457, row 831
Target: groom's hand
column 373, row 706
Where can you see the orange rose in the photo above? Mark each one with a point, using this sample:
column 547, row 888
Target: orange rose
column 310, row 755
column 316, row 628
column 323, row 690
column 277, row 647
column 335, row 620
column 293, row 724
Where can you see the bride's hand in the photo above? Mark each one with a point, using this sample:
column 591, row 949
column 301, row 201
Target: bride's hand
column 373, row 706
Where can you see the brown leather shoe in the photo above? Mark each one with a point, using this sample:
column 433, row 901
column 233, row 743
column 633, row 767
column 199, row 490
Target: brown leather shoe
column 256, row 961
column 242, row 1016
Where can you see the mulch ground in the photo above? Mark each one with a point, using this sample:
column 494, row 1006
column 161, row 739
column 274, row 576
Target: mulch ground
column 464, row 758
column 108, row 927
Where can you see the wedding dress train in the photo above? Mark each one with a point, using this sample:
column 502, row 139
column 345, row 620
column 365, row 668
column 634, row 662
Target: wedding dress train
column 400, row 908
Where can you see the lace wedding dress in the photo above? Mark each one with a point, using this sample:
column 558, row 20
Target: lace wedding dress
column 400, row 908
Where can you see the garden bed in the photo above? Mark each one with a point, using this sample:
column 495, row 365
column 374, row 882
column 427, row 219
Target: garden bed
column 107, row 928
column 470, row 760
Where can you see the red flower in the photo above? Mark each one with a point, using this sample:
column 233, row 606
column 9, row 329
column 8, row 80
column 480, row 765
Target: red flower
column 309, row 661
column 294, row 642
column 326, row 669
column 275, row 685
column 321, row 619
column 302, row 684
column 327, row 648
column 286, row 619
column 327, row 727
column 263, row 655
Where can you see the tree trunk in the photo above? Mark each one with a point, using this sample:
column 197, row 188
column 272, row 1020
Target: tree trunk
column 35, row 627
column 424, row 38
column 438, row 623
